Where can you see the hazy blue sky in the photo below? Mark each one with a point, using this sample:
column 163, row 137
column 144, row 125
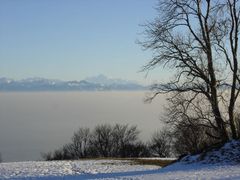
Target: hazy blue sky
column 72, row 39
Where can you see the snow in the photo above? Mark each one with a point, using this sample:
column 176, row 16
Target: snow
column 70, row 168
column 229, row 153
column 182, row 171
column 158, row 158
column 115, row 169
column 217, row 163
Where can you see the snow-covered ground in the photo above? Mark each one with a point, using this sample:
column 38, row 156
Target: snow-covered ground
column 33, row 169
column 221, row 162
column 115, row 169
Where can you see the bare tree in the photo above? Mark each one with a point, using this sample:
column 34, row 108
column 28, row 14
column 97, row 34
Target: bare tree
column 102, row 140
column 237, row 121
column 123, row 136
column 160, row 143
column 190, row 138
column 199, row 39
column 191, row 129
column 80, row 143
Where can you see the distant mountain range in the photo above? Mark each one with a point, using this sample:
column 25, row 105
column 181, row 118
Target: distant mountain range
column 96, row 83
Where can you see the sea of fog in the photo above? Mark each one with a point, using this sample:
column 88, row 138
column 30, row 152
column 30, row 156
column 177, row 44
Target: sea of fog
column 35, row 122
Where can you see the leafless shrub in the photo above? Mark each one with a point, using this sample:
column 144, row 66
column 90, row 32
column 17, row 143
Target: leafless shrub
column 160, row 144
column 104, row 141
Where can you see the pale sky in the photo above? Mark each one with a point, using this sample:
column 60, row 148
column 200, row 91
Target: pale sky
column 74, row 39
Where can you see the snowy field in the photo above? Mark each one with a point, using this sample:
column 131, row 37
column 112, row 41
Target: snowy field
column 115, row 169
column 59, row 169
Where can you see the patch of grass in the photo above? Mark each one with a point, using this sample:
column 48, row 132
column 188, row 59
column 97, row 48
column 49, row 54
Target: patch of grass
column 135, row 161
column 157, row 162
